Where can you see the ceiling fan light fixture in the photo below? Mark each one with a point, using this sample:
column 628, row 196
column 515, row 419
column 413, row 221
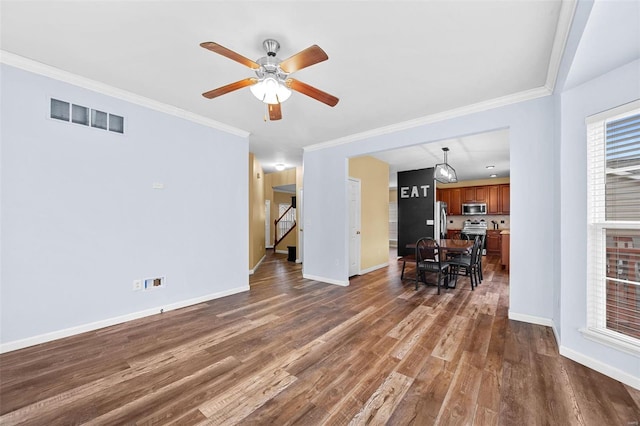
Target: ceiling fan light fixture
column 270, row 91
column 443, row 172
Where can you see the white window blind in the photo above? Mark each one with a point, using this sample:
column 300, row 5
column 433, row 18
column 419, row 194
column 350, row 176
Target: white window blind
column 393, row 221
column 614, row 226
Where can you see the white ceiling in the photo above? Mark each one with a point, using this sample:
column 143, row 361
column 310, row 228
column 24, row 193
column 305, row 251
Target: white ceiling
column 389, row 61
column 468, row 155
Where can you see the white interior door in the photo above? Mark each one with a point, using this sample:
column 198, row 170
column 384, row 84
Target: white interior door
column 354, row 226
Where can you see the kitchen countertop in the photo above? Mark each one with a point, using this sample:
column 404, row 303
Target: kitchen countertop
column 505, row 232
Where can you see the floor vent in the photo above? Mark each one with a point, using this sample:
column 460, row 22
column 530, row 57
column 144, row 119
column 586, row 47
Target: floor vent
column 85, row 116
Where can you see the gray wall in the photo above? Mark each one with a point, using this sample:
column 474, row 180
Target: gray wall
column 80, row 221
column 605, row 92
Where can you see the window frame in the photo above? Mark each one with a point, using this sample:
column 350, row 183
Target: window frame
column 597, row 227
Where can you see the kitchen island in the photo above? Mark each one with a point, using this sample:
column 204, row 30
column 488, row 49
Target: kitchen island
column 504, row 249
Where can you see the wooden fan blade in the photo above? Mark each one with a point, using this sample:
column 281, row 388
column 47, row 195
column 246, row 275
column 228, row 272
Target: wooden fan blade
column 311, row 91
column 307, row 57
column 230, row 88
column 221, row 50
column 275, row 112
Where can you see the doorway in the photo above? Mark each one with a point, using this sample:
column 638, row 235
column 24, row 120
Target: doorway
column 354, row 226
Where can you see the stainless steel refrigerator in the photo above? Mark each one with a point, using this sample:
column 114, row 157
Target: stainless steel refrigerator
column 440, row 220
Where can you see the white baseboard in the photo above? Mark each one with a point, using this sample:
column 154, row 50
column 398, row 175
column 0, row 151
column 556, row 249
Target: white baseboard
column 578, row 357
column 531, row 319
column 282, row 251
column 326, row 280
column 601, row 367
column 252, row 271
column 555, row 334
column 72, row 331
column 373, row 268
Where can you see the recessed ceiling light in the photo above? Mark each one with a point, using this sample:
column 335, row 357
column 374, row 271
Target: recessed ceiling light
column 493, row 175
column 491, row 167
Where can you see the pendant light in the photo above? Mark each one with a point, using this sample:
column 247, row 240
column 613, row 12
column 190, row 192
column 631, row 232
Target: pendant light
column 443, row 172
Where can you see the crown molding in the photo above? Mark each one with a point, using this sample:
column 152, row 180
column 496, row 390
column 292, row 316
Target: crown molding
column 563, row 28
column 57, row 74
column 434, row 118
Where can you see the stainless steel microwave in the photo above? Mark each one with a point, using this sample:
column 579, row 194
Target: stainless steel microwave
column 474, row 208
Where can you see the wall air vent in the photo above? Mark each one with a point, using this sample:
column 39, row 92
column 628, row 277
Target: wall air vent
column 78, row 114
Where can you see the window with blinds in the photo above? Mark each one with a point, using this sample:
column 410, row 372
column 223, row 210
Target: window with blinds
column 393, row 223
column 614, row 226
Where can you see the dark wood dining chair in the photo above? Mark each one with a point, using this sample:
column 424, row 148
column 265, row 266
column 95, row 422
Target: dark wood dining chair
column 467, row 263
column 428, row 260
column 411, row 258
column 456, row 236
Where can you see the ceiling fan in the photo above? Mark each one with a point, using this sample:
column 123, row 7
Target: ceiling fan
column 272, row 84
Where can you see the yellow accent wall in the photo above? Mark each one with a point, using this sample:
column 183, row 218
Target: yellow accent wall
column 374, row 210
column 256, row 212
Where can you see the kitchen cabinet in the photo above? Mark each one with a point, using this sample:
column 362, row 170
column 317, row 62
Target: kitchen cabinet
column 493, row 199
column 442, row 195
column 451, row 233
column 469, row 194
column 481, row 194
column 498, row 201
column 452, row 197
column 474, row 194
column 504, row 250
column 493, row 241
column 455, row 201
column 505, row 199
column 495, row 196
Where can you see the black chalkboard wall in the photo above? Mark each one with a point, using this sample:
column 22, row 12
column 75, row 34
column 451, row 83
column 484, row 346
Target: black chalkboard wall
column 415, row 207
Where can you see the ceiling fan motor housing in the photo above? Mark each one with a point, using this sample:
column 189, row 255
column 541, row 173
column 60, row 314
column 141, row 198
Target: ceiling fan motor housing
column 271, row 46
column 270, row 65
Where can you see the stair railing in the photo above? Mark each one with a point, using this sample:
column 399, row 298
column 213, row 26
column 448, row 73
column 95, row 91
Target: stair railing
column 284, row 225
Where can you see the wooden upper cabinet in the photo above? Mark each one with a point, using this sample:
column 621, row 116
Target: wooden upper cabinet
column 442, row 195
column 496, row 197
column 505, row 199
column 469, row 194
column 493, row 199
column 481, row 194
column 474, row 194
column 454, row 206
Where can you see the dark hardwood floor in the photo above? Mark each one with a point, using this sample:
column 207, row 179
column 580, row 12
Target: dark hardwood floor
column 296, row 351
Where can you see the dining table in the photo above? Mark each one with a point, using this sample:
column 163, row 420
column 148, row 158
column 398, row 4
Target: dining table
column 450, row 245
column 447, row 245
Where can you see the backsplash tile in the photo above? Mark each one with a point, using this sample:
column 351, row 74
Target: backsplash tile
column 457, row 222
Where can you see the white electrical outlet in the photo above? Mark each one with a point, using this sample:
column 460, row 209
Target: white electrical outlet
column 137, row 285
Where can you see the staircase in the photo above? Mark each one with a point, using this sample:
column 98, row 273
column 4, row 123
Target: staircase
column 284, row 225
